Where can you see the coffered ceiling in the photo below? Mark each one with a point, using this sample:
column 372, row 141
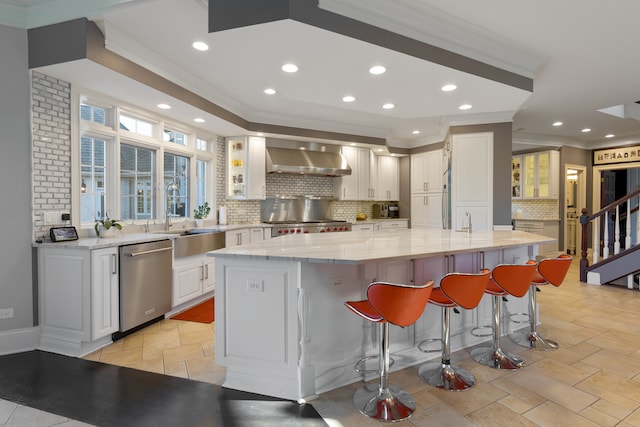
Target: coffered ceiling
column 575, row 51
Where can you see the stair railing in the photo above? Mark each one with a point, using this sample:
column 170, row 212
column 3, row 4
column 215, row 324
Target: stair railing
column 607, row 219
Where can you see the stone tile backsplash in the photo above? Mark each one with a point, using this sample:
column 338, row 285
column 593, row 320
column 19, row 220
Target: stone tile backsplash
column 536, row 208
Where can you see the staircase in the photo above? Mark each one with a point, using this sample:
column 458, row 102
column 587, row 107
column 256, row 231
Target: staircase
column 614, row 261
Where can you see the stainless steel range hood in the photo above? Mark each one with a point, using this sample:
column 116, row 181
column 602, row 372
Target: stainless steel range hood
column 306, row 162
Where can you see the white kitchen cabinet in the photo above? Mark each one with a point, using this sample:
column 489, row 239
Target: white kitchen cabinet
column 426, row 171
column 540, row 175
column 391, row 224
column 356, row 186
column 192, row 277
column 105, row 292
column 246, row 168
column 246, row 235
column 237, row 237
column 374, row 191
column 78, row 299
column 387, row 179
column 426, row 210
column 363, row 227
column 472, row 181
column 426, row 189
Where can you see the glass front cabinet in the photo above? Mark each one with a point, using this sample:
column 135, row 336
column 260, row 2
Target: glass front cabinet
column 540, row 175
column 246, row 168
column 516, row 178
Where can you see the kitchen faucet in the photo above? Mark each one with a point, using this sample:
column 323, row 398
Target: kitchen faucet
column 172, row 186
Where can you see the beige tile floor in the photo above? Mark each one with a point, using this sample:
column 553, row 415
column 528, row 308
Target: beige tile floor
column 592, row 380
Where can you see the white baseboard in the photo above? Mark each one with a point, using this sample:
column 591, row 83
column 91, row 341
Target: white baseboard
column 19, row 340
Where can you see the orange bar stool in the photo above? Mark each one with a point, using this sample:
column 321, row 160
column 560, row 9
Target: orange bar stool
column 456, row 290
column 400, row 305
column 505, row 280
column 550, row 271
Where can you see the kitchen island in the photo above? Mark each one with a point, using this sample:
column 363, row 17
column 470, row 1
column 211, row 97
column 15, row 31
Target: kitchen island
column 281, row 325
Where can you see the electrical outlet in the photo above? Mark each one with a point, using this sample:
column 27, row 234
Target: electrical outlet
column 6, row 313
column 255, row 286
column 53, row 218
column 337, row 281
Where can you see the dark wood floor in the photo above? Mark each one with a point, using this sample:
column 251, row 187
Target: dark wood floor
column 107, row 395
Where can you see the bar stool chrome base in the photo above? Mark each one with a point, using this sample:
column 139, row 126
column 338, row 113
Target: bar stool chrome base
column 388, row 404
column 446, row 377
column 534, row 341
column 496, row 358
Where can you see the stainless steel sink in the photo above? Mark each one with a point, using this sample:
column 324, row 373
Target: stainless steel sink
column 197, row 241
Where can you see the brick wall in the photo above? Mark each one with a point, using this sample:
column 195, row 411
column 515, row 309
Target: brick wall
column 51, row 147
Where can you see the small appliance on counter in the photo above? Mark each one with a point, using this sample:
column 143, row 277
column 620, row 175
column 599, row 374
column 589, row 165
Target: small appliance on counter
column 393, row 210
column 380, row 210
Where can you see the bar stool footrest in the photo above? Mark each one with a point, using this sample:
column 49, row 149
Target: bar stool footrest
column 429, row 341
column 524, row 320
column 475, row 330
column 359, row 366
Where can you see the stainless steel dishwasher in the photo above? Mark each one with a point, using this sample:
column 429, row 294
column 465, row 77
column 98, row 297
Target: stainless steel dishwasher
column 145, row 283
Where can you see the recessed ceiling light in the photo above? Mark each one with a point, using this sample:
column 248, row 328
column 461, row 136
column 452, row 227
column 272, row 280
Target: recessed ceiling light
column 289, row 68
column 259, row 134
column 556, row 124
column 379, row 149
column 198, row 120
column 585, row 130
column 465, row 107
column 303, row 148
column 449, row 87
column 609, row 135
column 388, row 106
column 353, row 144
column 164, row 106
column 270, row 91
column 415, row 132
column 201, row 46
column 377, row 69
column 348, row 98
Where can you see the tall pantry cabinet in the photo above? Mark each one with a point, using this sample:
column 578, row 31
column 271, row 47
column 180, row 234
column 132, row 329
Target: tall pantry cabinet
column 472, row 181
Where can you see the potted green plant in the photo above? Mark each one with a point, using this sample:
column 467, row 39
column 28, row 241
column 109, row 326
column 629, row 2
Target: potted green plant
column 105, row 224
column 200, row 213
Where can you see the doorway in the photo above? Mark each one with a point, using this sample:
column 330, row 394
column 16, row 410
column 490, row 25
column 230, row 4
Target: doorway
column 575, row 197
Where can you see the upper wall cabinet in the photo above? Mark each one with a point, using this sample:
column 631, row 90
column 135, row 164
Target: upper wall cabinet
column 356, row 186
column 540, row 174
column 246, row 170
column 426, row 171
column 387, row 178
column 516, row 177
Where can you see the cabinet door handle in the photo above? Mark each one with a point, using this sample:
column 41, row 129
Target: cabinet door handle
column 201, row 272
column 424, row 186
column 239, row 239
column 426, row 201
column 114, row 264
column 206, row 270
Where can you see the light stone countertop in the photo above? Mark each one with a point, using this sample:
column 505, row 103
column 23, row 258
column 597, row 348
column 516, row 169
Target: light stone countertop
column 107, row 242
column 126, row 238
column 360, row 248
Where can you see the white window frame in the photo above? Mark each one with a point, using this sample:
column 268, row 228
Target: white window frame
column 113, row 132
